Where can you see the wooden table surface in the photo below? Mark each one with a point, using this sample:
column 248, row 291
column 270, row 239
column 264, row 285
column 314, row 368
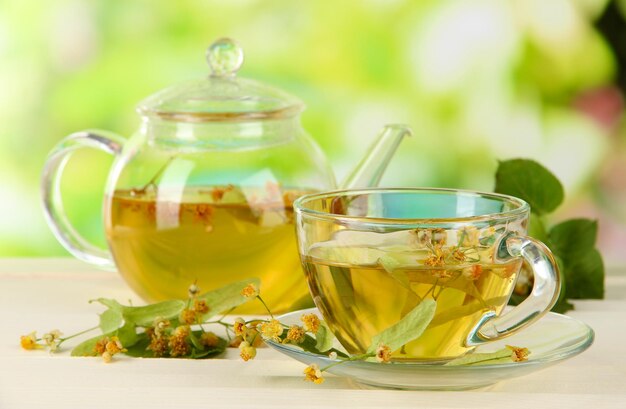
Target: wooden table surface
column 42, row 294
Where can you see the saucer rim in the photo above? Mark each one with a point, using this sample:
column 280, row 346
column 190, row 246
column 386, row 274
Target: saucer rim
column 545, row 360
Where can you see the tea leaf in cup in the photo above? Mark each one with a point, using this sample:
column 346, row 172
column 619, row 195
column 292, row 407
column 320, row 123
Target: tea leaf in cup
column 324, row 338
column 410, row 327
column 478, row 358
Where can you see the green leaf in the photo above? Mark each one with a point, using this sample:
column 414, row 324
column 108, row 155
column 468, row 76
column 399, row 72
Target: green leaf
column 109, row 302
column 145, row 315
column 482, row 358
column 86, row 348
column 227, row 297
column 410, row 327
column 323, row 338
column 585, row 276
column 530, row 181
column 206, row 352
column 537, row 228
column 309, row 345
column 140, row 348
column 464, row 310
column 127, row 334
column 195, row 341
column 110, row 320
column 573, row 238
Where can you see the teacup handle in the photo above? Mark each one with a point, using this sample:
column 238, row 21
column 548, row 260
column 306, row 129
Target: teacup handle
column 545, row 292
column 56, row 217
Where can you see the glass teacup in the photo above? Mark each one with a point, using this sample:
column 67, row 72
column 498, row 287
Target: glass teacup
column 371, row 256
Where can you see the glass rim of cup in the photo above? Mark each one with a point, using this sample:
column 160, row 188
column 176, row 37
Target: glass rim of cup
column 520, row 207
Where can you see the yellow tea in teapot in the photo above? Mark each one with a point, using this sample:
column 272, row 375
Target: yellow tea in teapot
column 361, row 298
column 213, row 236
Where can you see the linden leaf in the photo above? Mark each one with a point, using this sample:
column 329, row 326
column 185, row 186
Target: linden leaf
column 87, row 347
column 309, row 345
column 531, row 182
column 573, row 238
column 140, row 348
column 410, row 327
column 585, row 276
column 481, row 358
column 227, row 297
column 323, row 338
column 145, row 315
column 127, row 334
column 110, row 320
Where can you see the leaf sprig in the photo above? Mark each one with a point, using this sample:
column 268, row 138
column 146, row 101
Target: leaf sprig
column 573, row 241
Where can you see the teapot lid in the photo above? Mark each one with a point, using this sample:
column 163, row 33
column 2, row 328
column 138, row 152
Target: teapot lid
column 222, row 96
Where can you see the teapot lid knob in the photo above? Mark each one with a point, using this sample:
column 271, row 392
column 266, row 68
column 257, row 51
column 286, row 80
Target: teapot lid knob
column 225, row 57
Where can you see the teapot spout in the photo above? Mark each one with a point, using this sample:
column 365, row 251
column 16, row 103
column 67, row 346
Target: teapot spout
column 371, row 168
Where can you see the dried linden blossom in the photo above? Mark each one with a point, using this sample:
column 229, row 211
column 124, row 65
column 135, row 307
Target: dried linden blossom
column 250, row 291
column 383, row 353
column 107, row 347
column 311, row 322
column 312, row 373
column 295, row 334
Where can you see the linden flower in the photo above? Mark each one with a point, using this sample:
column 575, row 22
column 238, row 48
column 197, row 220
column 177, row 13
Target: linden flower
column 160, row 324
column 209, row 339
column 439, row 237
column 236, row 342
column 272, row 329
column 29, row 341
column 423, row 237
column 108, row 347
column 458, row 255
column 187, row 316
column 295, row 334
column 246, row 351
column 313, row 374
column 437, row 258
column 200, row 306
column 311, row 322
column 250, row 291
column 178, row 341
column 383, row 353
column 518, row 354
column 159, row 344
column 52, row 339
column 473, row 272
column 193, row 290
column 114, row 346
column 239, row 326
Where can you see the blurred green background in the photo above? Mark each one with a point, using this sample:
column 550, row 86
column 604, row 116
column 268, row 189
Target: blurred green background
column 479, row 80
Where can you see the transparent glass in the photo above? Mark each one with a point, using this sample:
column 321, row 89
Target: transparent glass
column 552, row 340
column 371, row 256
column 203, row 191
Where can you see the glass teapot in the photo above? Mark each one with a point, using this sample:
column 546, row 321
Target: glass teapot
column 203, row 191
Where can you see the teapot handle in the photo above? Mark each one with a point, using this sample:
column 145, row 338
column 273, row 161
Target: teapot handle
column 61, row 227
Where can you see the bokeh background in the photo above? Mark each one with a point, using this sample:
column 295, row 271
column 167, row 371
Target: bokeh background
column 479, row 80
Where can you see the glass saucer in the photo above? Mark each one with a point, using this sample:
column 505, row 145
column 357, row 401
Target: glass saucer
column 551, row 340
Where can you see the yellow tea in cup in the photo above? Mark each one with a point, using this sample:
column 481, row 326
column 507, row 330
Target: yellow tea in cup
column 372, row 256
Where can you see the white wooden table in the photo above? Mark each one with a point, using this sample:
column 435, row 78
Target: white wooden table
column 43, row 294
